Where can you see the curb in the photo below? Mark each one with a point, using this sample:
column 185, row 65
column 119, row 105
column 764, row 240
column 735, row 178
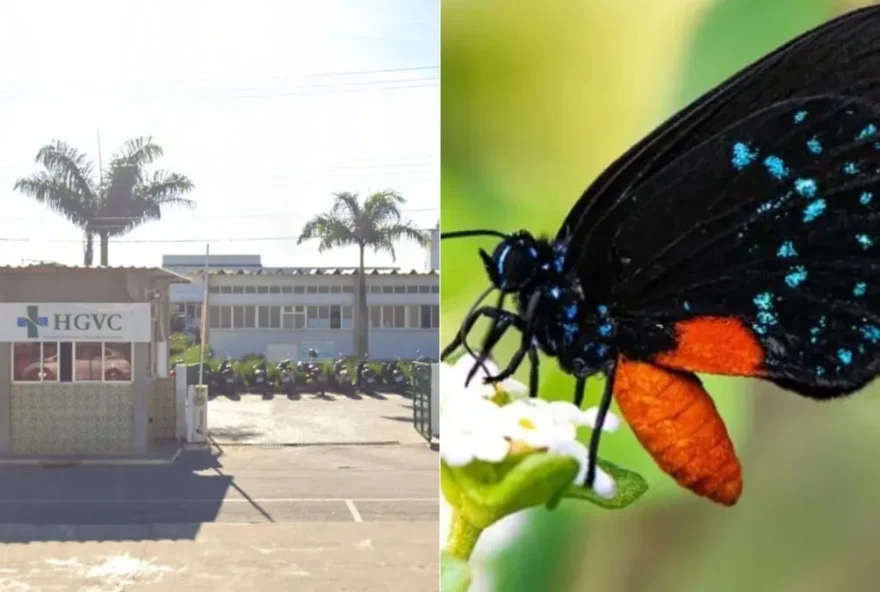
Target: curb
column 73, row 462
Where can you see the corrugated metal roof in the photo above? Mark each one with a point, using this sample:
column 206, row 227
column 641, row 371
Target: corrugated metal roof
column 286, row 271
column 50, row 266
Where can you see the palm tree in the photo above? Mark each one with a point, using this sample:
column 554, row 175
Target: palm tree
column 111, row 203
column 373, row 223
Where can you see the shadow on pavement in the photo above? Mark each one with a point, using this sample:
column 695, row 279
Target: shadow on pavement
column 234, row 434
column 113, row 503
column 375, row 395
column 403, row 418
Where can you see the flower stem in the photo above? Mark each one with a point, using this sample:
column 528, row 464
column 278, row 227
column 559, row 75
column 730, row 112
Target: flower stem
column 462, row 537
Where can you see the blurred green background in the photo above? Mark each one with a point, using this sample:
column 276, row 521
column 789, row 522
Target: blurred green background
column 537, row 98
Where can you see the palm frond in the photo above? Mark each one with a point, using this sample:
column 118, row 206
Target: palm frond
column 329, row 230
column 138, row 152
column 59, row 195
column 402, row 231
column 347, row 206
column 65, row 163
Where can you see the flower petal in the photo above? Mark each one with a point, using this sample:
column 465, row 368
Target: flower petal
column 456, row 450
column 589, row 416
column 604, row 484
column 490, row 448
column 576, row 450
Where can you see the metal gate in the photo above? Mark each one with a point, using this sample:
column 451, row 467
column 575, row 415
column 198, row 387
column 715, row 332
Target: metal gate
column 421, row 398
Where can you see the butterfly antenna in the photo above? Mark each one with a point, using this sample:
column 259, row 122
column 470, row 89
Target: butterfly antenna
column 467, row 233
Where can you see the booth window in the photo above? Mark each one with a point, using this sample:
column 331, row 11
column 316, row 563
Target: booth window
column 117, row 362
column 87, row 366
column 31, row 361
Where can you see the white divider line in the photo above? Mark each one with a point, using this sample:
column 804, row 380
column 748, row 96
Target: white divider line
column 240, row 500
column 354, row 511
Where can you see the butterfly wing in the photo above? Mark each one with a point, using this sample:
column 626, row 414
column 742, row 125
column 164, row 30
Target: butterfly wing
column 839, row 57
column 757, row 252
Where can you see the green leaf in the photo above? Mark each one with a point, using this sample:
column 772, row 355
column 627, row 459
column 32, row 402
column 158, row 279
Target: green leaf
column 455, row 574
column 630, row 487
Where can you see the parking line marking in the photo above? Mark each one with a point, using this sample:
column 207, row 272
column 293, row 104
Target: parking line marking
column 354, row 511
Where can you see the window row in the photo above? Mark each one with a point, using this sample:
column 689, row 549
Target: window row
column 325, row 289
column 280, row 317
column 412, row 316
column 72, row 362
column 399, row 316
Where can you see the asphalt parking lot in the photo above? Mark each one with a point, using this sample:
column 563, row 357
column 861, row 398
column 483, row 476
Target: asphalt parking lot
column 355, row 517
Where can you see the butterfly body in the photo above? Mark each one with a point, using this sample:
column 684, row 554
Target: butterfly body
column 740, row 238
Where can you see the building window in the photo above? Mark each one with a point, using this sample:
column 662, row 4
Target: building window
column 435, row 316
column 375, row 317
column 117, row 362
column 312, row 317
column 226, row 289
column 375, row 289
column 413, row 318
column 26, row 365
column 274, row 289
column 274, row 317
column 399, row 317
column 336, row 289
column 238, row 289
column 335, row 317
column 348, row 289
column 412, row 289
column 287, row 289
column 299, row 289
column 214, row 317
column 226, row 317
column 435, row 289
column 400, row 289
column 250, row 289
column 388, row 289
column 347, row 317
column 311, row 289
column 92, row 362
column 243, row 317
column 262, row 289
column 213, row 289
column 424, row 289
column 87, row 366
column 290, row 315
column 323, row 289
column 263, row 317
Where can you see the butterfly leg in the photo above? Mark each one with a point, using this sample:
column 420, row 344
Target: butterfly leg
column 515, row 362
column 604, row 405
column 469, row 322
column 503, row 320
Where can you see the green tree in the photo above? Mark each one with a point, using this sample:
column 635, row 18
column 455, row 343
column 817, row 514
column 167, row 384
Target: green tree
column 374, row 223
column 112, row 202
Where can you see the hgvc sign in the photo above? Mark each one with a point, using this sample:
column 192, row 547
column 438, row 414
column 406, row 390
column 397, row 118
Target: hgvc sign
column 78, row 321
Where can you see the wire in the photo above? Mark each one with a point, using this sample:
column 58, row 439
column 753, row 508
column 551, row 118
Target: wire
column 173, row 240
column 367, row 86
column 199, row 218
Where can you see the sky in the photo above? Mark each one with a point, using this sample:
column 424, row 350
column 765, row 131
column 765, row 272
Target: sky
column 269, row 107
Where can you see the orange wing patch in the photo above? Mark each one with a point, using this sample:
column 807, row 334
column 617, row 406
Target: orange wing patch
column 714, row 345
column 676, row 421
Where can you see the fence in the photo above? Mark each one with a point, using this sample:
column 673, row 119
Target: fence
column 425, row 396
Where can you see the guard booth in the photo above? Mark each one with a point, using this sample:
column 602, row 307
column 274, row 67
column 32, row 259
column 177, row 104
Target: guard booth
column 84, row 360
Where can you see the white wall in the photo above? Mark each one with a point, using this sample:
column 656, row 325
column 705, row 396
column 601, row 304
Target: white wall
column 383, row 343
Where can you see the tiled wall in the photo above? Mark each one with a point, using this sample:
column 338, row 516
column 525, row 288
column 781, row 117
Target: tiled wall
column 162, row 410
column 71, row 418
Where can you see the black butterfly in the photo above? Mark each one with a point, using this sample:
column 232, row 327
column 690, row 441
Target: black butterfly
column 742, row 237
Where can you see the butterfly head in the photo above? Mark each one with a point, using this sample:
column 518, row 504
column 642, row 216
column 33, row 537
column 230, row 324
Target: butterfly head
column 514, row 263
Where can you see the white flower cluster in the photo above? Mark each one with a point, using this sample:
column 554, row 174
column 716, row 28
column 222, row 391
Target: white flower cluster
column 474, row 427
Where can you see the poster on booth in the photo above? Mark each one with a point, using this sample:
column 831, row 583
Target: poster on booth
column 76, row 321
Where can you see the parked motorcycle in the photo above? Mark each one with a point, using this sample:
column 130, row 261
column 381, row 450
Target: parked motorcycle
column 287, row 378
column 227, row 377
column 262, row 385
column 366, row 378
column 316, row 373
column 341, row 379
column 398, row 382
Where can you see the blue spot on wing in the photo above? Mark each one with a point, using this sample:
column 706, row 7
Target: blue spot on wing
column 796, row 276
column 867, row 131
column 786, row 250
column 814, row 209
column 850, row 168
column 864, row 240
column 800, row 116
column 845, row 356
column 776, row 167
column 865, row 198
column 814, row 145
column 805, row 187
column 743, row 156
column 859, row 289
